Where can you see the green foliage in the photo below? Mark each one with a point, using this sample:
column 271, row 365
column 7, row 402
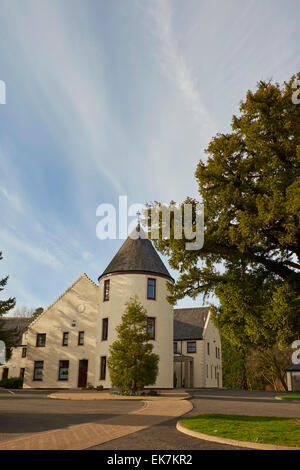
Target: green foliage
column 250, row 187
column 234, row 366
column 10, row 338
column 37, row 312
column 259, row 429
column 132, row 364
column 12, row 382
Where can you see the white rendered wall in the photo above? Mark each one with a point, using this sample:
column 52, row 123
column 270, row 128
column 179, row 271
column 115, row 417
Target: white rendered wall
column 122, row 287
column 80, row 303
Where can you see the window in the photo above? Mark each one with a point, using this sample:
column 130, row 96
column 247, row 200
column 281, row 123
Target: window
column 208, row 349
column 216, row 352
column 81, row 338
column 65, row 338
column 103, row 368
column 63, row 373
column 106, row 290
column 151, row 289
column 41, row 339
column 207, row 371
column 151, row 327
column 22, row 372
column 191, row 346
column 104, row 328
column 175, row 347
column 24, row 352
column 38, row 370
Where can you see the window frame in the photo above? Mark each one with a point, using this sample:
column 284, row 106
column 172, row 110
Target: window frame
column 60, row 366
column 103, row 364
column 188, row 344
column 39, row 335
column 35, row 368
column 104, row 329
column 79, row 336
column 63, row 339
column 154, row 288
column 106, row 292
column 154, row 327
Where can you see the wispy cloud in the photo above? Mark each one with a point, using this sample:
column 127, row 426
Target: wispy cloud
column 12, row 198
column 25, row 249
column 174, row 64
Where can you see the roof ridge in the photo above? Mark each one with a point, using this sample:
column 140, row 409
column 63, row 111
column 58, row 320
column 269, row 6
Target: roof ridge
column 61, row 295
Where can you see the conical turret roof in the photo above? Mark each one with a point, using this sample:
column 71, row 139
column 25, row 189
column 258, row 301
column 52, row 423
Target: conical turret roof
column 137, row 255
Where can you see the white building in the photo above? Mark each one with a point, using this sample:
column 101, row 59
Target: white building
column 67, row 346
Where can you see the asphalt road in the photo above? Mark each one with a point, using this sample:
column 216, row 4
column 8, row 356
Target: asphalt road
column 165, row 435
column 31, row 411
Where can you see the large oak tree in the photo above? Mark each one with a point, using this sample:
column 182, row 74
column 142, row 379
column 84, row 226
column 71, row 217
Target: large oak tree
column 250, row 186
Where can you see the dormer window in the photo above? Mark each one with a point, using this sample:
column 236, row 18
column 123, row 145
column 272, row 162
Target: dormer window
column 151, row 289
column 106, row 290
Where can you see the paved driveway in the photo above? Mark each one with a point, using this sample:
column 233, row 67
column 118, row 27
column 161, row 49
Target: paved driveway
column 29, row 412
column 165, row 436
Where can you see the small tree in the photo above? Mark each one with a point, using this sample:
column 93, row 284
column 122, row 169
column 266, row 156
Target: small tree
column 10, row 337
column 132, row 364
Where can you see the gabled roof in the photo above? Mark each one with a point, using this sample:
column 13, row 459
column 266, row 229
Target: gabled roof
column 189, row 323
column 137, row 255
column 10, row 323
column 82, row 276
column 15, row 323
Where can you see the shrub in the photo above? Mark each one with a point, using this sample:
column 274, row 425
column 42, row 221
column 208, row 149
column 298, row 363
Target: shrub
column 12, row 382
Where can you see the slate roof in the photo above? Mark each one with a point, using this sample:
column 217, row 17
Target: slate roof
column 11, row 323
column 137, row 255
column 189, row 323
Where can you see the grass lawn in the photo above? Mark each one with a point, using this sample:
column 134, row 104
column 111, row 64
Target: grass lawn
column 289, row 397
column 262, row 429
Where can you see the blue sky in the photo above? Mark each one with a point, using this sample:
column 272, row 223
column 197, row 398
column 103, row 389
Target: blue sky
column 108, row 98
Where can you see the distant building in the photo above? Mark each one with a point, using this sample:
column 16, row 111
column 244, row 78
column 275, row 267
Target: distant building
column 67, row 346
column 293, row 377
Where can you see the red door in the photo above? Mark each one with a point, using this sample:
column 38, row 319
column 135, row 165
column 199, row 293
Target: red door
column 82, row 373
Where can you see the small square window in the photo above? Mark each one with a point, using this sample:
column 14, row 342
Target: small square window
column 41, row 339
column 81, row 338
column 191, row 346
